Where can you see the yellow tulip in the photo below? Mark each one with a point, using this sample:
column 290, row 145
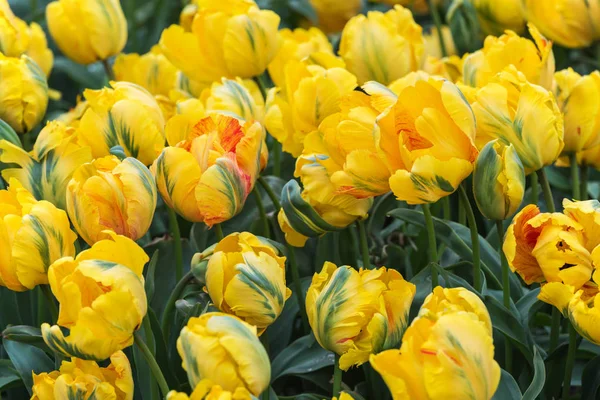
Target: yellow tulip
column 246, row 277
column 46, row 171
column 125, row 115
column 495, row 18
column 447, row 351
column 18, row 38
column 426, row 140
column 382, row 47
column 206, row 390
column 87, row 31
column 23, row 93
column 534, row 59
column 309, row 95
column 152, row 71
column 207, row 175
column 343, row 396
column 129, row 198
column 33, row 234
column 227, row 39
column 578, row 99
column 358, row 313
column 570, row 23
column 588, row 158
column 498, row 181
column 240, row 98
column 181, row 114
column 79, row 379
column 450, row 68
column 431, row 43
column 333, row 15
column 295, row 46
column 73, row 116
column 416, row 6
column 102, row 299
column 225, row 350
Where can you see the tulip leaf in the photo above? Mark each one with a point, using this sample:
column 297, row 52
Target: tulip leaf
column 28, row 335
column 26, row 359
column 302, row 356
column 508, row 388
column 590, row 380
column 87, row 77
column 304, row 8
column 162, row 355
column 539, row 377
column 9, row 377
column 529, row 305
column 149, row 286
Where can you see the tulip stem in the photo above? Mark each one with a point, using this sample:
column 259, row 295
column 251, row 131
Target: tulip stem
column 108, row 69
column 546, row 189
column 433, row 256
column 435, row 14
column 261, row 211
column 164, row 321
column 584, row 182
column 176, row 234
column 474, row 238
column 571, row 355
column 554, row 329
column 505, row 291
column 462, row 217
column 218, row 232
column 276, row 150
column 158, row 375
column 575, row 176
column 51, row 304
column 337, row 377
column 364, row 245
column 270, row 193
column 535, row 188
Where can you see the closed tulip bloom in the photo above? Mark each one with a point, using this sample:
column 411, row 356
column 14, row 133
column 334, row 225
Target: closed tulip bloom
column 225, row 350
column 240, row 98
column 80, row 379
column 33, row 234
column 152, row 71
column 246, row 277
column 87, row 31
column 23, row 93
column 495, row 18
column 227, row 39
column 129, row 193
column 206, row 390
column 333, row 15
column 125, row 115
column 102, row 299
column 382, row 47
column 522, row 114
column 534, row 59
column 578, row 98
column 310, row 94
column 462, row 19
column 48, row 168
column 18, row 38
column 207, row 175
column 498, row 181
column 358, row 313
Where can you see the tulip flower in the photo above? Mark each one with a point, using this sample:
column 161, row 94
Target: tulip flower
column 18, row 38
column 73, row 116
column 382, row 47
column 225, row 350
column 227, row 39
column 533, row 58
column 431, row 42
column 129, row 198
column 358, row 313
column 23, row 93
column 87, row 31
column 152, row 71
column 182, row 114
column 46, row 171
column 295, row 46
column 207, row 176
column 102, row 299
column 246, row 277
column 241, row 98
column 464, row 25
column 498, row 181
column 125, row 115
column 79, row 379
column 206, row 390
column 33, row 235
column 310, row 94
column 495, row 18
column 448, row 347
column 333, row 15
column 578, row 99
column 450, row 68
column 573, row 23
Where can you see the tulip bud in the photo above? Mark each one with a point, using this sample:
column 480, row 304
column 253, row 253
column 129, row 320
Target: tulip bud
column 23, row 93
column 462, row 18
column 358, row 313
column 498, row 181
column 246, row 277
column 79, row 379
column 217, row 339
column 87, row 31
column 333, row 14
column 102, row 299
column 152, row 71
column 34, row 235
column 208, row 391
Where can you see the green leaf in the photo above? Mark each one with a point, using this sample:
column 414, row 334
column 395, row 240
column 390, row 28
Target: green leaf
column 590, row 380
column 528, row 305
column 539, row 377
column 26, row 334
column 149, row 286
column 302, row 356
column 9, row 377
column 79, row 73
column 508, row 388
column 162, row 355
column 26, row 359
column 304, row 8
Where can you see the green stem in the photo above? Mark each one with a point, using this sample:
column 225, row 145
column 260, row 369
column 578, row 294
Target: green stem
column 218, row 232
column 51, row 304
column 364, row 244
column 446, row 208
column 262, row 213
column 164, row 322
column 297, row 286
column 474, row 237
column 370, row 380
column 158, row 375
column 337, row 377
column 151, row 345
column 108, row 69
column 276, row 149
column 535, row 188
column 571, row 355
column 438, row 24
column 505, row 292
column 262, row 84
column 176, row 234
column 270, row 193
column 432, row 246
column 462, row 216
column 546, row 189
column 584, row 182
column 554, row 329
column 575, row 176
